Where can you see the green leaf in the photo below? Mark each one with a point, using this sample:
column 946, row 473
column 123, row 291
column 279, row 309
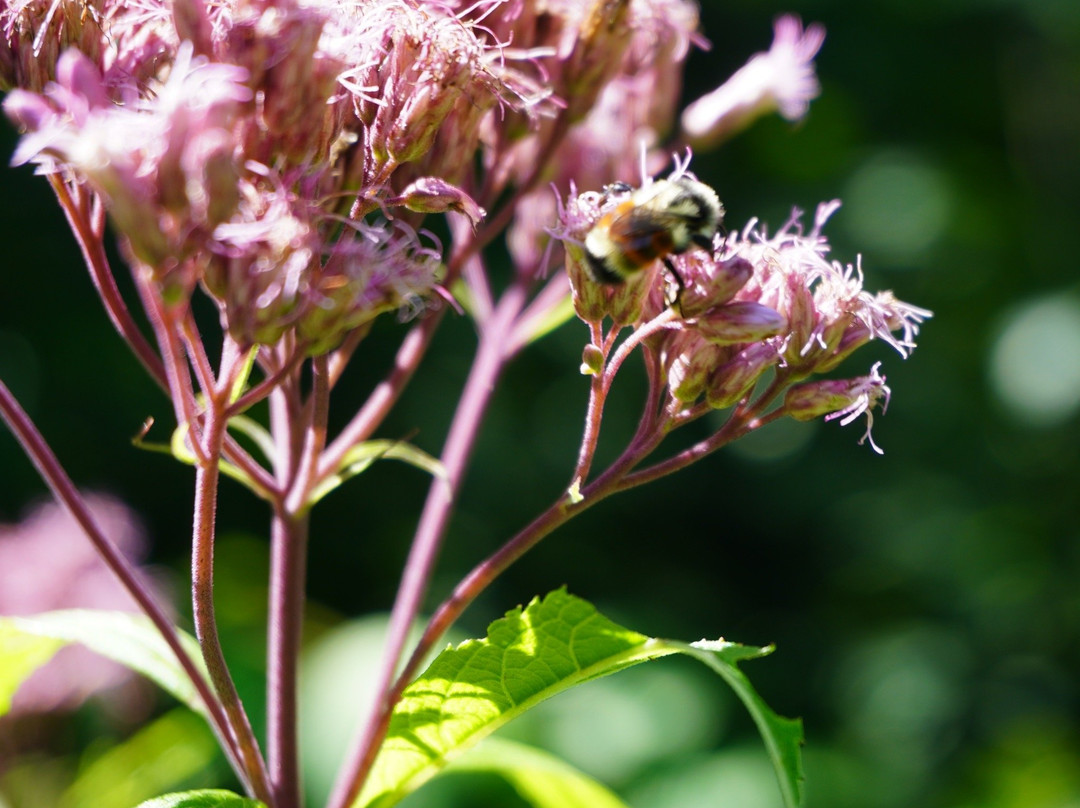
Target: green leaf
column 166, row 753
column 204, row 798
column 783, row 736
column 541, row 779
column 360, row 457
column 180, row 448
column 20, row 655
column 529, row 655
column 27, row 643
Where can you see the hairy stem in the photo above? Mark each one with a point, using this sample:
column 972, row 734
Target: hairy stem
column 207, row 476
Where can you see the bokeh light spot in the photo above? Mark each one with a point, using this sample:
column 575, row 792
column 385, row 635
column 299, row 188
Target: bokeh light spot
column 897, row 205
column 1035, row 361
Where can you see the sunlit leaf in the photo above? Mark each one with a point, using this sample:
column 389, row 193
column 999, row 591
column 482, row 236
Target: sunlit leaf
column 27, row 643
column 164, row 754
column 541, row 779
column 529, row 655
column 20, row 655
column 205, row 798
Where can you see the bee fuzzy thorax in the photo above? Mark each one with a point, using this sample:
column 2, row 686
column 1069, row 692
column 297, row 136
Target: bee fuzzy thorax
column 663, row 218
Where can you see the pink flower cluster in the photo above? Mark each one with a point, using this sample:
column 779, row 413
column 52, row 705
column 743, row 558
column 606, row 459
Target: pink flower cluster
column 282, row 156
column 752, row 306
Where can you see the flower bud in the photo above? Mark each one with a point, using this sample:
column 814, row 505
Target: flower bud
column 592, row 360
column 805, row 402
column 692, row 360
column 434, row 195
column 802, row 318
column 730, row 383
column 845, row 399
column 836, row 397
column 710, row 283
column 740, row 322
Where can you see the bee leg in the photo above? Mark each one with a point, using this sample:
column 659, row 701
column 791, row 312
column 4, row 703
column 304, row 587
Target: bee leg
column 674, row 302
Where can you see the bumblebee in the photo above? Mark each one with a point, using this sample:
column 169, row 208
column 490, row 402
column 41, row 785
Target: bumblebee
column 661, row 219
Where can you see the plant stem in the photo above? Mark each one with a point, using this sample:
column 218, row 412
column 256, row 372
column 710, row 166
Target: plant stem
column 45, row 461
column 556, row 515
column 207, row 476
column 288, row 561
column 488, row 364
column 94, row 255
column 382, row 398
column 288, row 569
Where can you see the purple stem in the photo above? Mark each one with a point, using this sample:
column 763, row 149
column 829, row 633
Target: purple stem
column 288, row 563
column 382, row 398
column 288, row 560
column 67, row 494
column 494, row 565
column 489, row 362
column 202, row 599
column 105, row 283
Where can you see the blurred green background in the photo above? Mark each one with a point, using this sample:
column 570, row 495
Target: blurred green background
column 924, row 603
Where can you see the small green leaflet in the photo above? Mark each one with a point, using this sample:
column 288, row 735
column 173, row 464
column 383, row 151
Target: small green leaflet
column 529, row 655
column 27, row 643
column 204, row 798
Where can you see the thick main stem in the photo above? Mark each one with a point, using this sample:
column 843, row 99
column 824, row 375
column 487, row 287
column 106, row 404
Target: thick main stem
column 288, row 562
column 288, row 569
column 490, row 358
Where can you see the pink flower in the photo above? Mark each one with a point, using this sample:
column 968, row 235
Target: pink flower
column 782, row 79
column 166, row 164
column 47, row 563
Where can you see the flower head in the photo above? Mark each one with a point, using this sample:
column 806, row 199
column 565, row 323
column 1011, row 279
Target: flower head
column 165, row 164
column 282, row 263
column 748, row 304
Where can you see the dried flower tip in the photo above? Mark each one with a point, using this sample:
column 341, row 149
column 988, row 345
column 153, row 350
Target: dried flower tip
column 781, row 79
column 845, row 399
column 427, row 67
